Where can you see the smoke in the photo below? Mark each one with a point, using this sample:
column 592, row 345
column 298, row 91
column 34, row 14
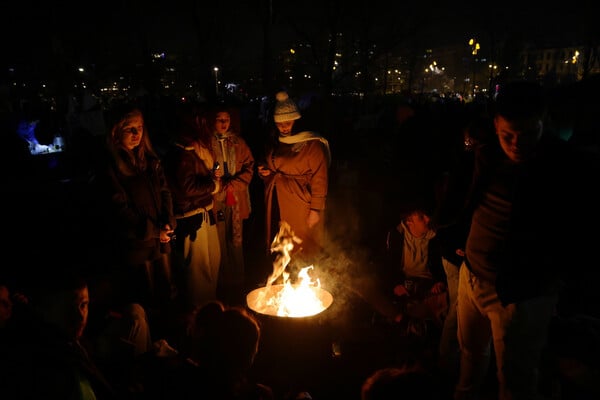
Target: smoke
column 351, row 274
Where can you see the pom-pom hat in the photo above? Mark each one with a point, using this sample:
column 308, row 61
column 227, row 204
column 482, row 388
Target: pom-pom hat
column 285, row 108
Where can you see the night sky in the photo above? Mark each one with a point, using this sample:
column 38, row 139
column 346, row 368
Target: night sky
column 42, row 37
column 230, row 32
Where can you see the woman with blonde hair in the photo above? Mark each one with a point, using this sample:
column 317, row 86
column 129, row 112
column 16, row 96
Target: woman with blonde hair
column 141, row 219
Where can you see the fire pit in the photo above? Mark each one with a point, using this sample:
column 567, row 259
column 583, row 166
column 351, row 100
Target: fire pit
column 301, row 299
column 290, row 310
column 285, row 300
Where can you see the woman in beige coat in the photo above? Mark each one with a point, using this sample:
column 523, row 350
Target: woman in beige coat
column 295, row 173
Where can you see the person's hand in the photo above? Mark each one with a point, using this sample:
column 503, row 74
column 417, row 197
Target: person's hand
column 313, row 218
column 263, row 171
column 162, row 349
column 438, row 288
column 166, row 233
column 217, row 175
column 400, row 290
column 218, row 185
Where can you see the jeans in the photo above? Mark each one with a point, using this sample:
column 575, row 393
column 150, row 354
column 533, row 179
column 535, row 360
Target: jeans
column 518, row 333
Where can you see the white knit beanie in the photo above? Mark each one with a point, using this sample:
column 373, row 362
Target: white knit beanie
column 285, row 108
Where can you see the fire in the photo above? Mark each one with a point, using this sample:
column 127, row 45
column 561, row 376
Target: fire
column 298, row 300
column 302, row 299
column 282, row 245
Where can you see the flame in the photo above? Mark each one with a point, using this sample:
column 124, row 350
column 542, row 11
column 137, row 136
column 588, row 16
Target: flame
column 282, row 245
column 298, row 300
column 291, row 300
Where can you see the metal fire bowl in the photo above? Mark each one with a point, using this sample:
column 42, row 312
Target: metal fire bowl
column 256, row 300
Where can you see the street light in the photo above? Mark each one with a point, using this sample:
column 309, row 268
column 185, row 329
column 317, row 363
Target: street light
column 216, row 69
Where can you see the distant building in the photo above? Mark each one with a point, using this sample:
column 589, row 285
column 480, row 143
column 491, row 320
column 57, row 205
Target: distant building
column 563, row 65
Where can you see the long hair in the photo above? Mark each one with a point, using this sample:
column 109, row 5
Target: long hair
column 129, row 162
column 192, row 124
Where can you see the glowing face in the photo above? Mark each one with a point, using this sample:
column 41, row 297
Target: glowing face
column 222, row 122
column 132, row 131
column 78, row 315
column 285, row 127
column 518, row 139
column 418, row 223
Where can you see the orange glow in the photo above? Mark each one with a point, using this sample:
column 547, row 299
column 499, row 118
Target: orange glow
column 302, row 299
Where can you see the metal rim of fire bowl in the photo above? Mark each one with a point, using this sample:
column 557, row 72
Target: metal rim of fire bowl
column 323, row 295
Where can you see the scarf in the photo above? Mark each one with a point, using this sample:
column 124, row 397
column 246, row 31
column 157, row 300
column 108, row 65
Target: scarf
column 226, row 154
column 304, row 137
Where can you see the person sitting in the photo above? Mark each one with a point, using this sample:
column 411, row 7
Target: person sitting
column 226, row 342
column 121, row 345
column 570, row 360
column 47, row 356
column 413, row 269
column 401, row 382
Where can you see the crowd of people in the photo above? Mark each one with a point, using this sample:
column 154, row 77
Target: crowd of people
column 135, row 286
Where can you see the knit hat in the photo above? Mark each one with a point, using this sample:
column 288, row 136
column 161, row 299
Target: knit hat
column 285, row 108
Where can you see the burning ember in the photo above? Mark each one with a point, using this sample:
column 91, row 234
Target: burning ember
column 302, row 299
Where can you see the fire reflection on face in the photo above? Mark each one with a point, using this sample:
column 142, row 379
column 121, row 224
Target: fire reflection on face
column 301, row 299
